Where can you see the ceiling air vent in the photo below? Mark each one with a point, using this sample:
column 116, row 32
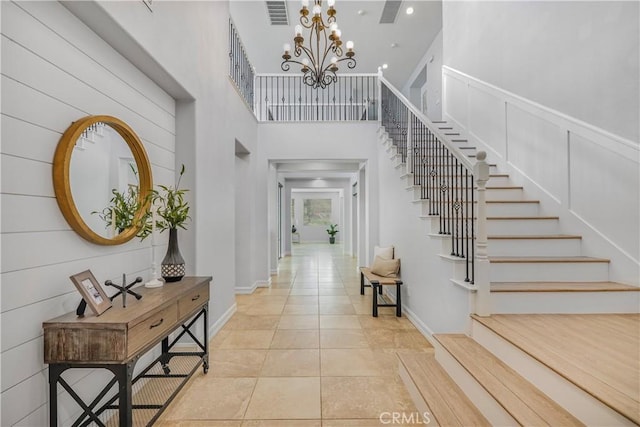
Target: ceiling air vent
column 390, row 11
column 278, row 12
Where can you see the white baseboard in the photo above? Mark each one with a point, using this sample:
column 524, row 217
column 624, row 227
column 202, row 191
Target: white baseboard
column 215, row 328
column 245, row 290
column 263, row 283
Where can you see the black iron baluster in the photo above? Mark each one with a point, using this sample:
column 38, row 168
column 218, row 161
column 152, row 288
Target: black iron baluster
column 466, row 224
column 473, row 234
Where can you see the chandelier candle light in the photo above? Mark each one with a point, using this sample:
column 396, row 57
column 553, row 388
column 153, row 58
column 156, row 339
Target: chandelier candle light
column 320, row 60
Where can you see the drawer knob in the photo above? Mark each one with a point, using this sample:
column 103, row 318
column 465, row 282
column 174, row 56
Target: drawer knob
column 158, row 323
column 196, row 298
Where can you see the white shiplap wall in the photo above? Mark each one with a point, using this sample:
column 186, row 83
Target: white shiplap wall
column 54, row 71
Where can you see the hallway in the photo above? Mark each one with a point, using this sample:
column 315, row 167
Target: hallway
column 305, row 350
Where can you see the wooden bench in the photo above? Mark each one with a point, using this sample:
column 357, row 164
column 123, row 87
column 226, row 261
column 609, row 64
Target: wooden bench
column 376, row 283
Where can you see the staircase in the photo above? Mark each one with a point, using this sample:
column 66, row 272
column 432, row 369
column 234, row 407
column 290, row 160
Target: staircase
column 512, row 373
column 535, row 268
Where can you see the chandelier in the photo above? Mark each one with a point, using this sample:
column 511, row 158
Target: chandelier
column 319, row 61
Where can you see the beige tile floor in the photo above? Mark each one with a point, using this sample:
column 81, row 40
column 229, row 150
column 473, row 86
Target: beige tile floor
column 304, row 352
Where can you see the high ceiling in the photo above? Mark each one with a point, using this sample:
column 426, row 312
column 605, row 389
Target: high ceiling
column 359, row 21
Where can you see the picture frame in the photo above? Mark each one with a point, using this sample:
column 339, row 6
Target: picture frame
column 91, row 292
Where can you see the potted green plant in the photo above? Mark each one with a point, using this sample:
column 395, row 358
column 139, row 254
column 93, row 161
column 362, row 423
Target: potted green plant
column 168, row 211
column 332, row 231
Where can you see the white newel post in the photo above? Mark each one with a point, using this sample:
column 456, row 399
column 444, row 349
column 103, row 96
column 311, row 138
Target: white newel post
column 483, row 295
column 409, row 143
column 380, row 95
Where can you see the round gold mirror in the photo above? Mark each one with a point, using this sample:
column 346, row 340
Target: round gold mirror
column 101, row 177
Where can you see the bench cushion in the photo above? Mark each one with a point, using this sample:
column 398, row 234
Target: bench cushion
column 380, row 279
column 385, row 267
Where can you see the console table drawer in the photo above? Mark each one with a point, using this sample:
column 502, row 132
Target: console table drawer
column 152, row 328
column 193, row 300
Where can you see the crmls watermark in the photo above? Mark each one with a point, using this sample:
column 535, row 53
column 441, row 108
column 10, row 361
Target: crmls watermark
column 400, row 418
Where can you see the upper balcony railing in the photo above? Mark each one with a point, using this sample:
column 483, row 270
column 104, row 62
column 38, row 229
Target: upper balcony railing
column 240, row 69
column 286, row 98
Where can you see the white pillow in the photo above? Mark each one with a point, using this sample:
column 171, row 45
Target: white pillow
column 384, row 253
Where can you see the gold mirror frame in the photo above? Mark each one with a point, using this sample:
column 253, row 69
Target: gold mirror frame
column 62, row 184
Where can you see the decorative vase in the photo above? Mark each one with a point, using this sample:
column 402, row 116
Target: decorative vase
column 172, row 267
column 332, row 240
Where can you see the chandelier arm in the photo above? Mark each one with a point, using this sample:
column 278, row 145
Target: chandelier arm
column 351, row 62
column 304, row 21
column 285, row 64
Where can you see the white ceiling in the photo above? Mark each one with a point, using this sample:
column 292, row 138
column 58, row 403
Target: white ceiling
column 413, row 34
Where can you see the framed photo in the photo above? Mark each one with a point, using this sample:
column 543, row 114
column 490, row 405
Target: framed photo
column 91, row 291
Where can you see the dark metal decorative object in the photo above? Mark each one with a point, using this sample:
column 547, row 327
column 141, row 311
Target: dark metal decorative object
column 172, row 268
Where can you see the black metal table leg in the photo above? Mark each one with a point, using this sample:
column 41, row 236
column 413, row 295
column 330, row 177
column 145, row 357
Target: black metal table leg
column 205, row 357
column 361, row 283
column 55, row 370
column 124, row 375
column 398, row 299
column 375, row 284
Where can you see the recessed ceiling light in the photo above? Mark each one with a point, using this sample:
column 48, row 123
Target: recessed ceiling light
column 361, row 12
column 409, row 10
column 394, row 45
column 385, row 66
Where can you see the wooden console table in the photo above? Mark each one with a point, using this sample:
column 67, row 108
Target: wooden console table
column 117, row 339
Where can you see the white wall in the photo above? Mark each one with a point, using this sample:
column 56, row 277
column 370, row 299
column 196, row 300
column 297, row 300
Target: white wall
column 555, row 104
column 54, row 71
column 243, row 179
column 432, row 61
column 585, row 175
column 578, row 57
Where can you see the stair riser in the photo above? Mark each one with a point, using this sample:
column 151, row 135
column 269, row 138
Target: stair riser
column 549, row 272
column 534, row 247
column 512, row 209
column 579, row 403
column 508, row 227
column 500, row 181
column 565, row 302
column 498, row 209
column 416, row 397
column 510, row 194
column 521, row 227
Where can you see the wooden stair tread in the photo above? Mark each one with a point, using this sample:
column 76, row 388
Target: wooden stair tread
column 493, row 175
column 488, row 201
column 518, row 218
column 488, row 187
column 524, row 402
column 598, row 353
column 447, row 402
column 535, row 236
column 581, row 259
column 562, row 287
